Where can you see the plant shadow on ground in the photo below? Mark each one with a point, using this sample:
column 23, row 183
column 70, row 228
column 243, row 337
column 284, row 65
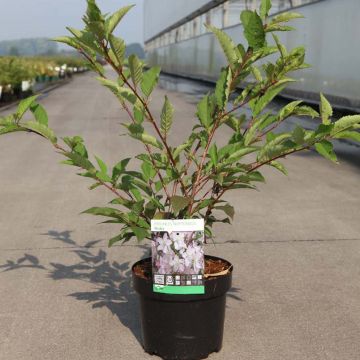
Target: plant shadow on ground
column 111, row 279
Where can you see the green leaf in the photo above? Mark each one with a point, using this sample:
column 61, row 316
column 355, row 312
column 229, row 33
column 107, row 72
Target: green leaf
column 353, row 135
column 288, row 109
column 257, row 73
column 259, row 105
column 147, row 139
column 119, row 169
column 325, row 148
column 279, row 166
column 345, row 123
column 135, row 66
column 325, row 110
column 150, row 80
column 253, row 29
column 265, row 8
column 24, row 106
column 228, row 210
column 235, row 156
column 222, row 90
column 278, row 27
column 40, row 114
column 226, row 43
column 213, row 155
column 306, row 111
column 68, row 41
column 113, row 21
column 93, row 12
column 102, row 165
column 105, row 211
column 298, row 135
column 281, row 47
column 166, row 117
column 118, row 47
column 140, row 233
column 179, row 149
column 40, row 129
column 179, row 202
column 116, row 239
column 10, row 128
column 148, row 171
column 205, row 111
column 274, row 147
column 80, row 161
column 286, row 17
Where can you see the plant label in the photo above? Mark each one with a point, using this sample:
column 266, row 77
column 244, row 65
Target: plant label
column 178, row 256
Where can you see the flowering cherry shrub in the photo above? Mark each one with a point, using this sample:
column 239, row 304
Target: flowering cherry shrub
column 178, row 253
column 188, row 179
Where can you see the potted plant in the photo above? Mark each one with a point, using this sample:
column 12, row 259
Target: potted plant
column 189, row 179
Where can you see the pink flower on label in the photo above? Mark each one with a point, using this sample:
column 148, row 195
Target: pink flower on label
column 177, row 264
column 179, row 241
column 164, row 244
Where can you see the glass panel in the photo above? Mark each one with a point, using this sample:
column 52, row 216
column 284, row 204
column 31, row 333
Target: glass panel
column 216, row 17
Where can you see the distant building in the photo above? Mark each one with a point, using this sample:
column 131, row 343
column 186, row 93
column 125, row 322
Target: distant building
column 176, row 39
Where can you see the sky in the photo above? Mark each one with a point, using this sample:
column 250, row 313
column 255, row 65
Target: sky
column 21, row 19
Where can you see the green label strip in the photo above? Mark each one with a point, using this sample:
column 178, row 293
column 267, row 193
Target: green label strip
column 181, row 290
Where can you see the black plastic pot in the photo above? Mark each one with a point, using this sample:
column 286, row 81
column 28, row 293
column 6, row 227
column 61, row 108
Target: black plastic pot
column 183, row 327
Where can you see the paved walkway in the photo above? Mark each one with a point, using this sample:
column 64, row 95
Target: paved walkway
column 64, row 295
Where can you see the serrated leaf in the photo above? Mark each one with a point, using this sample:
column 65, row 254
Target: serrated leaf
column 41, row 130
column 204, row 111
column 214, row 155
column 279, row 166
column 345, row 123
column 148, row 171
column 102, row 165
column 286, row 17
column 82, row 162
column 227, row 45
column 119, row 169
column 140, row 233
column 325, row 148
column 306, row 111
column 326, row 110
column 253, row 29
column 166, row 117
column 135, row 66
column 40, row 114
column 179, row 202
column 278, row 27
column 352, row 135
column 67, row 40
column 118, row 47
column 281, row 47
column 259, row 105
column 265, row 8
column 113, row 21
column 150, row 80
column 24, row 106
column 147, row 139
column 228, row 210
column 222, row 90
column 179, row 149
column 298, row 135
column 238, row 154
column 105, row 211
column 288, row 109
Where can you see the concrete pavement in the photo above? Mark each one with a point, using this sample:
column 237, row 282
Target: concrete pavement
column 295, row 246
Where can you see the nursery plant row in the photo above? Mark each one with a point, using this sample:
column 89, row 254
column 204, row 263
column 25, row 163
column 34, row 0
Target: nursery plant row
column 21, row 76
